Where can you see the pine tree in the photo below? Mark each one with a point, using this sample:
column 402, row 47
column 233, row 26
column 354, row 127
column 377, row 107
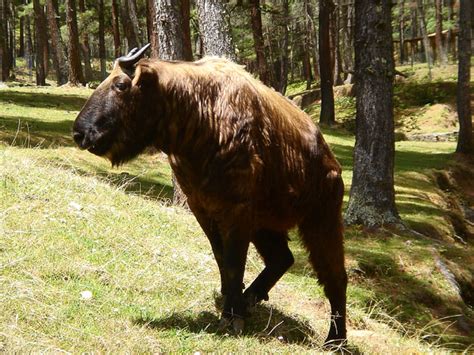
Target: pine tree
column 372, row 196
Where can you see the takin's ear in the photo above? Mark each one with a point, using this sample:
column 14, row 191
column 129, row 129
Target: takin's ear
column 143, row 76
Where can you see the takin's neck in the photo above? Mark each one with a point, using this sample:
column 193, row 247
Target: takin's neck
column 186, row 115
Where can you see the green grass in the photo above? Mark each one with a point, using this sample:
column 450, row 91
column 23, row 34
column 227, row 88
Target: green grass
column 70, row 223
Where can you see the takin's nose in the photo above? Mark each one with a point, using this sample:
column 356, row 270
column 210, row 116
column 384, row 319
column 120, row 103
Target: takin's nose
column 80, row 139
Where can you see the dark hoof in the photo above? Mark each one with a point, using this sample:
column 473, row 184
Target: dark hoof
column 252, row 298
column 235, row 325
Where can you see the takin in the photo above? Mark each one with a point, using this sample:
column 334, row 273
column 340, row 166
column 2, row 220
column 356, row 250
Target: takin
column 251, row 164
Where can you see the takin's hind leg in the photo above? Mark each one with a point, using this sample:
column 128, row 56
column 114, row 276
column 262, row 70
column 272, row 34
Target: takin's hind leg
column 326, row 254
column 273, row 247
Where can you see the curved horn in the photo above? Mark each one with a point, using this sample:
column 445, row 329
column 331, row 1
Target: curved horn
column 126, row 62
column 132, row 52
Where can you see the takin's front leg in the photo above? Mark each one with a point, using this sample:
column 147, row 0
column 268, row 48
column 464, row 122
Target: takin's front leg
column 210, row 228
column 273, row 247
column 235, row 246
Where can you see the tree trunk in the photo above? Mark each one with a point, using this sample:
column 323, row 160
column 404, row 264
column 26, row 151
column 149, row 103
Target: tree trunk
column 116, row 28
column 424, row 35
column 12, row 35
column 327, row 95
column 128, row 25
column 40, row 31
column 75, row 76
column 372, row 196
column 29, row 52
column 401, row 30
column 283, row 82
column 346, row 41
column 169, row 30
column 312, row 37
column 21, row 49
column 4, row 65
column 214, row 29
column 335, row 26
column 465, row 140
column 170, row 34
column 450, row 44
column 85, row 48
column 102, row 51
column 259, row 46
column 150, row 22
column 57, row 46
column 186, row 19
column 414, row 30
column 132, row 7
column 441, row 53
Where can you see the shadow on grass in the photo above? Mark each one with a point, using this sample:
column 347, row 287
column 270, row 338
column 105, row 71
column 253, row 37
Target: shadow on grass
column 265, row 324
column 409, row 297
column 43, row 100
column 132, row 184
column 29, row 132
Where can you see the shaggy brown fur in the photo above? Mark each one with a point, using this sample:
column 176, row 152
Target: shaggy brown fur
column 251, row 164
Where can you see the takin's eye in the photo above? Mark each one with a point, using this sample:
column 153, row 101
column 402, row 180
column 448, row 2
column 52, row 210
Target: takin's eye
column 122, row 85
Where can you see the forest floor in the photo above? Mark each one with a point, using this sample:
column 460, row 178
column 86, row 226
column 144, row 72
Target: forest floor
column 94, row 258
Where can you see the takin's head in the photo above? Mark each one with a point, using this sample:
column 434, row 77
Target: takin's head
column 116, row 120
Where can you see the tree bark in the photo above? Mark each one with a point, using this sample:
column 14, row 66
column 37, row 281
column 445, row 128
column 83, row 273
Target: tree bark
column 150, row 21
column 4, row 65
column 424, row 34
column 414, row 30
column 441, row 53
column 102, row 51
column 450, row 44
column 348, row 42
column 29, row 53
column 116, row 28
column 85, row 48
column 372, row 196
column 327, row 115
column 214, row 29
column 129, row 28
column 170, row 33
column 283, row 82
column 186, row 20
column 401, row 30
column 40, row 31
column 57, row 46
column 75, row 76
column 21, row 50
column 169, row 30
column 258, row 43
column 12, row 35
column 312, row 36
column 335, row 26
column 465, row 140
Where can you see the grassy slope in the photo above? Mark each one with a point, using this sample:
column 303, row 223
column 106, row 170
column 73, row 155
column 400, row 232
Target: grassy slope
column 69, row 223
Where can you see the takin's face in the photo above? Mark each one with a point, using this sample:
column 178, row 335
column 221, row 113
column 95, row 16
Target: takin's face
column 112, row 122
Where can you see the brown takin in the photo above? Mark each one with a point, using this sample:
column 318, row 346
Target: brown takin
column 251, row 164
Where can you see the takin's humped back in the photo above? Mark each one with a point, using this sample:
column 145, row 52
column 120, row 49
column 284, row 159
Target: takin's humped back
column 251, row 164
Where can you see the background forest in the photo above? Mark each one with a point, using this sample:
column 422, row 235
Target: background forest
column 100, row 258
column 278, row 39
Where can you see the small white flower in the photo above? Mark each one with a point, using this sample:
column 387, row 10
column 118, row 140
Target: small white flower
column 75, row 206
column 86, row 295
